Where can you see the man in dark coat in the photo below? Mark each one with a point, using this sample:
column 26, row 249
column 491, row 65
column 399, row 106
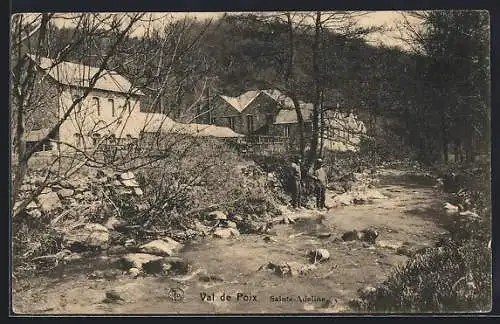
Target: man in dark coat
column 321, row 182
column 296, row 181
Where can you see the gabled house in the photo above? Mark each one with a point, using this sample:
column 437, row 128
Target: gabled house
column 110, row 109
column 246, row 114
column 257, row 112
column 271, row 113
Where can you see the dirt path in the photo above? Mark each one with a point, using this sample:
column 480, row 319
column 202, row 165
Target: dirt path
column 409, row 214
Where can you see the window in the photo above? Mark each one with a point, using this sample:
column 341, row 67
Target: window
column 46, row 146
column 97, row 105
column 286, row 130
column 230, row 122
column 96, row 137
column 112, row 104
column 269, row 118
column 250, row 124
column 129, row 105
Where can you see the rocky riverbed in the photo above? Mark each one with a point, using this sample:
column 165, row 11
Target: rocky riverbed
column 302, row 261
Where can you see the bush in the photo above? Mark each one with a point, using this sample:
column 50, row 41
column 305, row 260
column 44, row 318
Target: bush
column 445, row 279
column 32, row 238
column 193, row 179
column 469, row 184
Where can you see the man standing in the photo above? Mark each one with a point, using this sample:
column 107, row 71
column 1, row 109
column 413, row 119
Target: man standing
column 296, row 181
column 321, row 179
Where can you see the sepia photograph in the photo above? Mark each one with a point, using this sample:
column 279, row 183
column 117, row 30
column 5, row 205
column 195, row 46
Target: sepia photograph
column 274, row 162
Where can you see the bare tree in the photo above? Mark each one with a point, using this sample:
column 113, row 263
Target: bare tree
column 148, row 61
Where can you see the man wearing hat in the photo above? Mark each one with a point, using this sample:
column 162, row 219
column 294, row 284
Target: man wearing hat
column 296, row 182
column 321, row 180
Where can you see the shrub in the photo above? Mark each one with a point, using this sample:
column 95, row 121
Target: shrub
column 444, row 279
column 469, row 184
column 196, row 178
column 32, row 238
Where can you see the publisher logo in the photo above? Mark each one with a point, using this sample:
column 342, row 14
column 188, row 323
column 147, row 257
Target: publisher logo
column 176, row 294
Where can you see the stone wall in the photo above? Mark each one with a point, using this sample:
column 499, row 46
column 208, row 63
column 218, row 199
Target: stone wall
column 75, row 191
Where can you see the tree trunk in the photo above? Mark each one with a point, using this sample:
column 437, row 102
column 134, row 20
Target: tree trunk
column 322, row 125
column 313, row 152
column 291, row 86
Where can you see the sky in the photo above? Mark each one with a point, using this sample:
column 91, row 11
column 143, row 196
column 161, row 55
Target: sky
column 388, row 19
column 373, row 18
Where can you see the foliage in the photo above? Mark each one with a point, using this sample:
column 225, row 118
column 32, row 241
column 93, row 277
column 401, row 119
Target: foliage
column 469, row 184
column 197, row 177
column 32, row 238
column 453, row 104
column 445, row 279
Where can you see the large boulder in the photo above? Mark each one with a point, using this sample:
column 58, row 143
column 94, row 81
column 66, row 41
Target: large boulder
column 127, row 176
column 217, row 215
column 65, row 193
column 31, row 205
column 318, row 255
column 87, row 236
column 289, row 269
column 200, row 227
column 450, row 209
column 170, row 265
column 46, row 190
column 137, row 260
column 72, row 183
column 130, row 183
column 225, row 233
column 230, row 224
column 115, row 223
column 164, row 247
column 368, row 235
column 34, row 213
column 389, row 244
column 350, row 235
column 49, row 202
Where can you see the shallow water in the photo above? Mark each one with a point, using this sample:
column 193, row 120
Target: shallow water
column 411, row 213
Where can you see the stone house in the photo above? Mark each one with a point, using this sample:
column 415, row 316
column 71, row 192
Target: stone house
column 255, row 112
column 246, row 114
column 271, row 113
column 109, row 111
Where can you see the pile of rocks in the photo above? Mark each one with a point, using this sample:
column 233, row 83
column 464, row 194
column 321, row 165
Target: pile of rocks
column 74, row 191
column 156, row 257
column 221, row 226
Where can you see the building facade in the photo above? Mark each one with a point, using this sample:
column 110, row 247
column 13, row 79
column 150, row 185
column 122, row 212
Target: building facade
column 108, row 109
column 271, row 113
